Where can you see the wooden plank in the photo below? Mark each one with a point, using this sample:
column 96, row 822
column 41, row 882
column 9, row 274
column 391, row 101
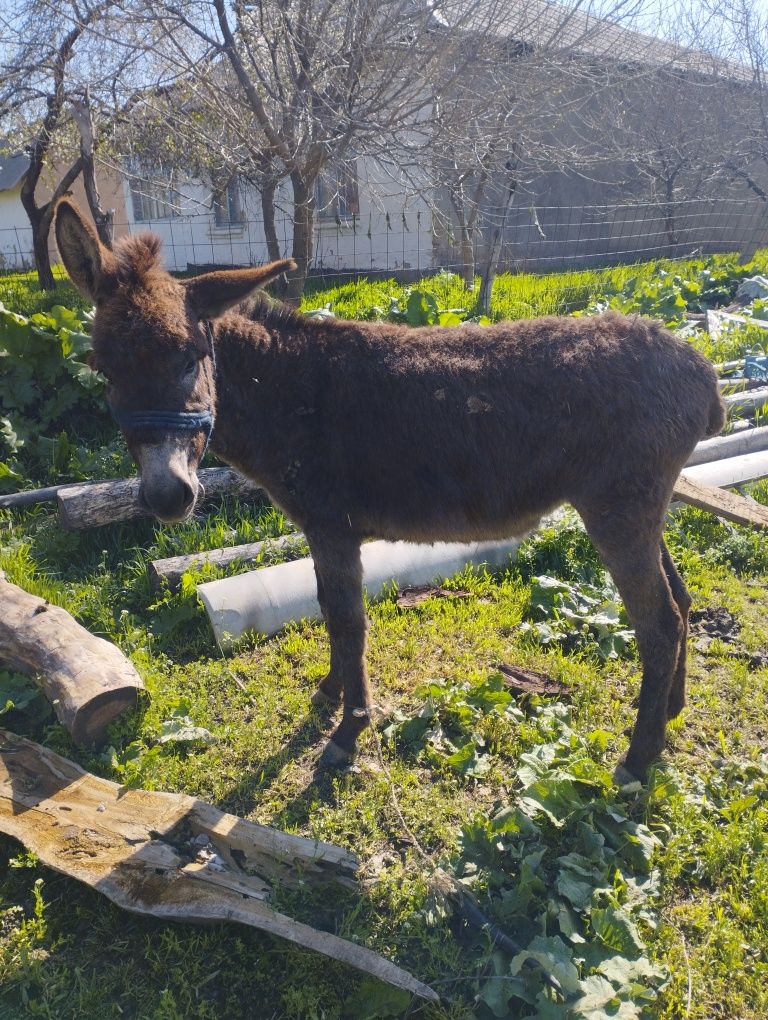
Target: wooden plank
column 169, row 855
column 88, row 680
column 728, row 505
column 169, row 571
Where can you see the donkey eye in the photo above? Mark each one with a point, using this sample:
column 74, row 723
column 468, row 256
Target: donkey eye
column 190, row 365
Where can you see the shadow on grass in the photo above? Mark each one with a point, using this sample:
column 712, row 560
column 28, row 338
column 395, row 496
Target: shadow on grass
column 248, row 793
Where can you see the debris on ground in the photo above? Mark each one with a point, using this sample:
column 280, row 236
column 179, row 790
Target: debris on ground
column 407, row 598
column 530, row 681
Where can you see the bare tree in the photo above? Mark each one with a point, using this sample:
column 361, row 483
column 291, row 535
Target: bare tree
column 103, row 218
column 522, row 110
column 36, row 89
column 303, row 87
column 664, row 137
column 738, row 39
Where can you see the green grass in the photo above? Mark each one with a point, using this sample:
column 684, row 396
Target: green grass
column 702, row 913
column 515, row 296
column 21, row 293
column 83, row 958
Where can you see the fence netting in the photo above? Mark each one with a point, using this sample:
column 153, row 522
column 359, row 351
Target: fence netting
column 415, row 241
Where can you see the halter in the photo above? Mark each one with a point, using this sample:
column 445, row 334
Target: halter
column 172, row 421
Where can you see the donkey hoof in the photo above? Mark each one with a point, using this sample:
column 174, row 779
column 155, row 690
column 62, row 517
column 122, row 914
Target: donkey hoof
column 323, row 702
column 335, row 757
column 626, row 780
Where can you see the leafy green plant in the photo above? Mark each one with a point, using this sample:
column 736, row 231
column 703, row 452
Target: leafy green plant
column 670, row 296
column 44, row 385
column 560, row 863
column 578, row 617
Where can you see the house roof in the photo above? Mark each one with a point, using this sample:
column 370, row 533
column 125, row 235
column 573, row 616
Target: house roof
column 570, row 27
column 12, row 169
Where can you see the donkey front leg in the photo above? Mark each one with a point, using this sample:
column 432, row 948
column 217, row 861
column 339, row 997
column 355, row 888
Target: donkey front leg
column 340, row 571
column 328, row 695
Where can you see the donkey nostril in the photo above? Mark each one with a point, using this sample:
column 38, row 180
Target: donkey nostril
column 188, row 494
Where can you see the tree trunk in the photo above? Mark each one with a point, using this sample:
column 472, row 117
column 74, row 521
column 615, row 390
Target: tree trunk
column 303, row 230
column 268, row 190
column 494, row 253
column 467, row 257
column 40, row 228
column 466, row 248
column 41, row 217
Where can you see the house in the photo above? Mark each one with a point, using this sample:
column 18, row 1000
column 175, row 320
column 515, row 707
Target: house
column 15, row 231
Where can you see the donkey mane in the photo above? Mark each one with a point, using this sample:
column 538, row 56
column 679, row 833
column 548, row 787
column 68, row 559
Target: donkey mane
column 271, row 312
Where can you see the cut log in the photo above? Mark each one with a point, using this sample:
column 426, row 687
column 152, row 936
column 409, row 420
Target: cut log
column 88, row 680
column 169, row 855
column 169, row 571
column 728, row 505
column 97, row 503
column 31, row 496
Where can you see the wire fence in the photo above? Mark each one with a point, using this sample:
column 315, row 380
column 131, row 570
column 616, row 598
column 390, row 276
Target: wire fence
column 413, row 243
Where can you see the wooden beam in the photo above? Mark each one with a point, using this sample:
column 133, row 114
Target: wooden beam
column 170, row 570
column 171, row 856
column 88, row 680
column 728, row 505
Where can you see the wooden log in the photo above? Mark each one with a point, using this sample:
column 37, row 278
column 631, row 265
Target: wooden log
column 29, row 497
column 728, row 505
column 94, row 504
column 88, row 680
column 169, row 855
column 169, row 571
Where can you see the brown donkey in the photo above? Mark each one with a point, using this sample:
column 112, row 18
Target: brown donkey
column 362, row 429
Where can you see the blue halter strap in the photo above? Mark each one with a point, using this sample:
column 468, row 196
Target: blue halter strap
column 172, row 421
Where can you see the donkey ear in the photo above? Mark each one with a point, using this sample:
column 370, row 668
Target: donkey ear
column 213, row 293
column 90, row 265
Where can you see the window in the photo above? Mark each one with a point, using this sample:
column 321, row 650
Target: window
column 154, row 197
column 228, row 205
column 338, row 196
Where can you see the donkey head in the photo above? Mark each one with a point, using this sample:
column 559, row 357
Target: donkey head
column 153, row 340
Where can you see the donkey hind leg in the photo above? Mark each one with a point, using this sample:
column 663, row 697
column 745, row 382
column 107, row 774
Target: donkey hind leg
column 676, row 702
column 327, row 697
column 337, row 560
column 633, row 557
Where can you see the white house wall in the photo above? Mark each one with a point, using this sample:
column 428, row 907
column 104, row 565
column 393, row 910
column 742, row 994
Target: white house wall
column 392, row 232
column 15, row 232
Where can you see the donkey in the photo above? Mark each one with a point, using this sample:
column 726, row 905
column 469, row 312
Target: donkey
column 368, row 429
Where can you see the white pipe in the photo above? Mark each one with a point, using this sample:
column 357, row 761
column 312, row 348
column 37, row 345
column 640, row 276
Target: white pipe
column 749, row 401
column 266, row 600
column 732, row 445
column 750, row 467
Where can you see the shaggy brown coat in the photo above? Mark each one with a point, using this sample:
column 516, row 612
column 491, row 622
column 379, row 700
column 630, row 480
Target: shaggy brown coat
column 361, row 430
